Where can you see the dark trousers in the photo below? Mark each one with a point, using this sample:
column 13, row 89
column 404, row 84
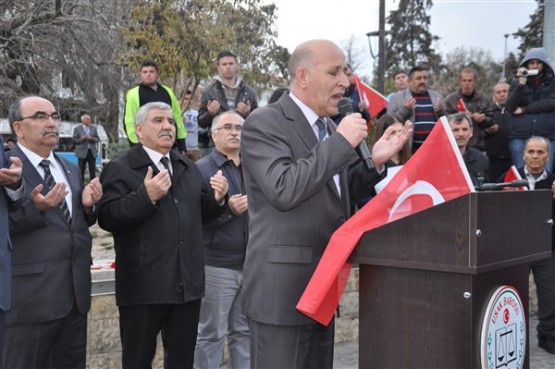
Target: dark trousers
column 140, row 325
column 544, row 277
column 292, row 347
column 91, row 161
column 57, row 344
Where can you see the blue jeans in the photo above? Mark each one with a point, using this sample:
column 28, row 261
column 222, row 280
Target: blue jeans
column 221, row 315
column 516, row 147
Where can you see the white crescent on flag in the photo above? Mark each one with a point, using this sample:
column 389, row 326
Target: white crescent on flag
column 418, row 188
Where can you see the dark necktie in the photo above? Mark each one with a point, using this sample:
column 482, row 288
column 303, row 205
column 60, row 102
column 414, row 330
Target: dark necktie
column 321, row 129
column 49, row 180
column 166, row 163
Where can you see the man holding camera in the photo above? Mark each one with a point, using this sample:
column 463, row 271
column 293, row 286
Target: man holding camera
column 531, row 103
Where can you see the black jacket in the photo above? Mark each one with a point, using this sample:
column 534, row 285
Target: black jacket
column 158, row 246
column 215, row 91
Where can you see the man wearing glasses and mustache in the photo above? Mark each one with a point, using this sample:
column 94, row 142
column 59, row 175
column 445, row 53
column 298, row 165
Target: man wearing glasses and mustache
column 47, row 326
column 225, row 243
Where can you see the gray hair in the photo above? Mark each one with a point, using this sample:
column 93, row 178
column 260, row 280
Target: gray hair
column 539, row 138
column 458, row 118
column 217, row 118
column 142, row 113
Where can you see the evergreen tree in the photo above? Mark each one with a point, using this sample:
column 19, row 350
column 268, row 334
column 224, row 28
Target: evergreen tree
column 409, row 42
column 532, row 34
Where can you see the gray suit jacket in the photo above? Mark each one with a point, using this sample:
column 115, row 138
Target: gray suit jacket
column 294, row 206
column 51, row 259
column 82, row 146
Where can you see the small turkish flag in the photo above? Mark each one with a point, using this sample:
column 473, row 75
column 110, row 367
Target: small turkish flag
column 513, row 175
column 376, row 101
column 436, row 173
column 461, row 107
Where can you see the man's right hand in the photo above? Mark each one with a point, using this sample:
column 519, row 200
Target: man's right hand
column 353, row 128
column 410, row 103
column 213, row 107
column 52, row 199
column 157, row 186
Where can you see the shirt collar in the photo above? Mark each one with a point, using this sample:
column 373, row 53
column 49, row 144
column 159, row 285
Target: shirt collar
column 155, row 156
column 309, row 114
column 36, row 159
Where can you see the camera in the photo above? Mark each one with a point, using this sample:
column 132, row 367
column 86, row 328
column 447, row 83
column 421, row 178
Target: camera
column 530, row 72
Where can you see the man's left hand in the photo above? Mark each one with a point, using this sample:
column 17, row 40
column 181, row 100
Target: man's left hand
column 244, row 109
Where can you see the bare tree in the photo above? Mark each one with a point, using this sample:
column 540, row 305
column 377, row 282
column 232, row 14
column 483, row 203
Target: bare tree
column 353, row 53
column 63, row 50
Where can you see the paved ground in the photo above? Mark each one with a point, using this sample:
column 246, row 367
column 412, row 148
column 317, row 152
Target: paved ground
column 346, row 354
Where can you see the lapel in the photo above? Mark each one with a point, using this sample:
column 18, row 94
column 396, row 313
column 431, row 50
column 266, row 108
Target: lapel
column 304, row 130
column 73, row 179
column 300, row 125
column 139, row 161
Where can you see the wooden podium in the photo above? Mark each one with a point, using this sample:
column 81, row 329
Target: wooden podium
column 425, row 280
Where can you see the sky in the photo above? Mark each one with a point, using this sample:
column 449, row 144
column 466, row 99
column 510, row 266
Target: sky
column 458, row 23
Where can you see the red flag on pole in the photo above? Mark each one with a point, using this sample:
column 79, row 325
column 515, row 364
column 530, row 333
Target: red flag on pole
column 513, row 175
column 436, row 173
column 376, row 101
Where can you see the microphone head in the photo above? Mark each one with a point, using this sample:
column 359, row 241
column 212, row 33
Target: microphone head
column 519, row 183
column 345, row 107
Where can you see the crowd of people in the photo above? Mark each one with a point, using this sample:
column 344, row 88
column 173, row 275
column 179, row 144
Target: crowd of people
column 217, row 241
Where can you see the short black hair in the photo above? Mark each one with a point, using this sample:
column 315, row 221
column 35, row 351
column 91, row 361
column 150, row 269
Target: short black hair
column 418, row 68
column 225, row 53
column 150, row 63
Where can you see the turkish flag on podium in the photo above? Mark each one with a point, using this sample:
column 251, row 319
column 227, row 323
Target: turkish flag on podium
column 376, row 101
column 436, row 173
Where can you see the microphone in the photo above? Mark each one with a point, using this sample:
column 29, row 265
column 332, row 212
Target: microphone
column 346, row 108
column 498, row 186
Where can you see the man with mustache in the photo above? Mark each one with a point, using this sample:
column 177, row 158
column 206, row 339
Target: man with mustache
column 476, row 162
column 47, row 326
column 225, row 242
column 418, row 104
column 154, row 203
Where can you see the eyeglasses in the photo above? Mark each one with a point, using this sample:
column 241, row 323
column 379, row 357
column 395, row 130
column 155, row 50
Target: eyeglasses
column 228, row 127
column 43, row 117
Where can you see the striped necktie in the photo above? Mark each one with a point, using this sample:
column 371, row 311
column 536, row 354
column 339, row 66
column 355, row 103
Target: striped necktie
column 322, row 131
column 49, row 180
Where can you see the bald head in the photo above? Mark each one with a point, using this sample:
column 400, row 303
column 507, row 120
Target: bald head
column 318, row 69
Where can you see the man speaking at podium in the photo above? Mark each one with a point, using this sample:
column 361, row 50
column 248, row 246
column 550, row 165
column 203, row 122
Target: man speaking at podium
column 301, row 173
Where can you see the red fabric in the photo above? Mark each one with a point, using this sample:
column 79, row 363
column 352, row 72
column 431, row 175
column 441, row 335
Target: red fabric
column 513, row 175
column 375, row 100
column 461, row 107
column 435, row 173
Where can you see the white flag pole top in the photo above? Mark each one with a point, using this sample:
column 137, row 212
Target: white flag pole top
column 457, row 152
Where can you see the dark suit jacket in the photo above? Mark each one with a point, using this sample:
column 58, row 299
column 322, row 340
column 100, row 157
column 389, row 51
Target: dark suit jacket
column 5, row 242
column 294, row 206
column 158, row 246
column 81, row 146
column 51, row 258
